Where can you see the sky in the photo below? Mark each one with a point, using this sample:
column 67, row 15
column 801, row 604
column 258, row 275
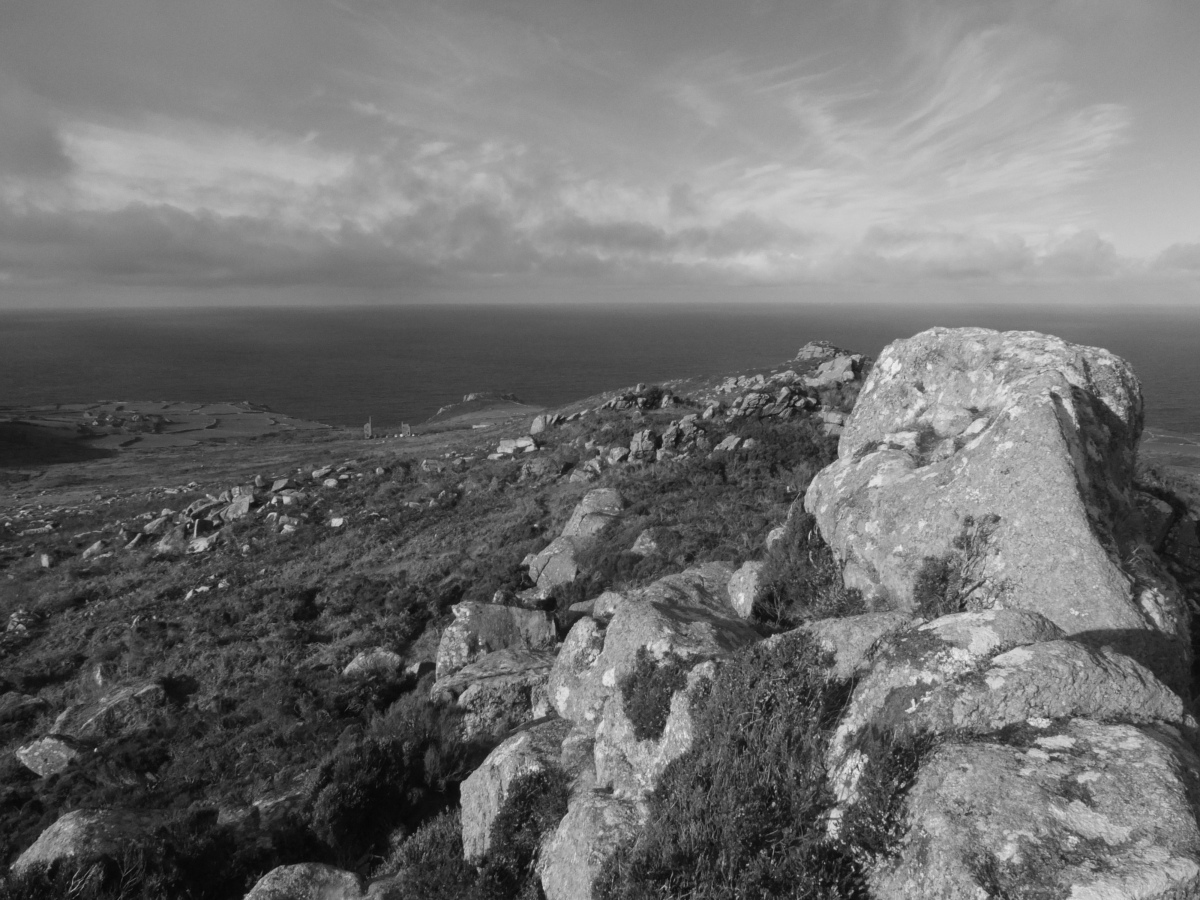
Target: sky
column 185, row 152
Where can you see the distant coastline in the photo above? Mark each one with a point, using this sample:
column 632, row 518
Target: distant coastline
column 343, row 367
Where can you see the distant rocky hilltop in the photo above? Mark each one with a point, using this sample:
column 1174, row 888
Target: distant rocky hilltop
column 913, row 627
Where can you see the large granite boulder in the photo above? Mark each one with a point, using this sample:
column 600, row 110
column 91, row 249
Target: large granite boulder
column 482, row 628
column 85, row 835
column 529, row 751
column 979, row 673
column 1020, row 448
column 1077, row 809
column 595, row 825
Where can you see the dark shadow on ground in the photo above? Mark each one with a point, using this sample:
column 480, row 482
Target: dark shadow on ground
column 22, row 444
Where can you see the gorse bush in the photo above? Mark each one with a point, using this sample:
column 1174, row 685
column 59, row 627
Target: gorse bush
column 744, row 813
column 403, row 772
column 429, row 864
column 801, row 579
column 647, row 689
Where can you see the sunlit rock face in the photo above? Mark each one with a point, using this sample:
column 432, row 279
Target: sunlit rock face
column 1014, row 452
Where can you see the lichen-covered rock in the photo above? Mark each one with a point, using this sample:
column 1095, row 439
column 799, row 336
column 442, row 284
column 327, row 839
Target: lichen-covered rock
column 686, row 615
column 849, row 639
column 50, row 755
column 1080, row 810
column 481, row 628
column 632, row 767
column 910, row 664
column 84, row 835
column 554, row 564
column 595, row 511
column 529, row 751
column 499, row 691
column 574, row 694
column 1031, row 435
column 308, row 881
column 835, row 371
column 595, row 825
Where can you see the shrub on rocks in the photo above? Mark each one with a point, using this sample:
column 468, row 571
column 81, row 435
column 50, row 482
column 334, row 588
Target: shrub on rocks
column 393, row 779
column 745, row 812
column 647, row 690
column 801, row 579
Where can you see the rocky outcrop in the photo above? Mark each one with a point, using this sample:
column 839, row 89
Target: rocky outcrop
column 499, row 691
column 1010, row 455
column 687, row 616
column 535, row 749
column 482, row 628
column 1080, row 809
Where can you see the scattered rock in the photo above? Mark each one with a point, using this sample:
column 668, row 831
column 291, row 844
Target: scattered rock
column 744, row 587
column 834, row 372
column 377, row 661
column 728, row 444
column 50, row 755
column 126, row 709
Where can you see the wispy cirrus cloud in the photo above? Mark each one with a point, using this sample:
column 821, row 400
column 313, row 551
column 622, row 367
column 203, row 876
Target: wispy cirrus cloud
column 456, row 140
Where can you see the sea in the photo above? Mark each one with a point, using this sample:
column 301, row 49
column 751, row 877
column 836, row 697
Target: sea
column 391, row 365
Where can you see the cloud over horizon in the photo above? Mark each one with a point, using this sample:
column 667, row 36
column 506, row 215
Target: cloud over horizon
column 363, row 144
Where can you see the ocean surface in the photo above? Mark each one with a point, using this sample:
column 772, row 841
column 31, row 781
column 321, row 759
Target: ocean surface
column 401, row 364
